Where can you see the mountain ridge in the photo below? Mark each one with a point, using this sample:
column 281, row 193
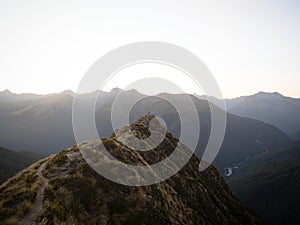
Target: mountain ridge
column 271, row 107
column 45, row 125
column 76, row 194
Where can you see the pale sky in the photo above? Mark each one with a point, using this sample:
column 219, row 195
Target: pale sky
column 249, row 46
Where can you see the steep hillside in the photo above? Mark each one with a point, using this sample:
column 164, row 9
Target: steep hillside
column 76, row 194
column 270, row 185
column 12, row 162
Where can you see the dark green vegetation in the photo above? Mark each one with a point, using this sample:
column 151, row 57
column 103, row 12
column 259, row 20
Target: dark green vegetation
column 270, row 185
column 44, row 125
column 12, row 162
column 18, row 194
column 76, row 194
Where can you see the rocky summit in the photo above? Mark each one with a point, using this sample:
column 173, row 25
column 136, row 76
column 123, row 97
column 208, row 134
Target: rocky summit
column 64, row 189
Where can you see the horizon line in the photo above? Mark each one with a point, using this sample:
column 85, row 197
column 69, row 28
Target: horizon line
column 195, row 94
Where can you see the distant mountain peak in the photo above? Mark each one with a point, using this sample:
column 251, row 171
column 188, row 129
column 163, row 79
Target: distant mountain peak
column 6, row 91
column 270, row 107
column 68, row 92
column 119, row 90
column 263, row 93
column 116, row 89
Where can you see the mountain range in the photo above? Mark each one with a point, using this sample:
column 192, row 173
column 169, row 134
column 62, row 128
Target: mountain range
column 8, row 96
column 272, row 108
column 44, row 125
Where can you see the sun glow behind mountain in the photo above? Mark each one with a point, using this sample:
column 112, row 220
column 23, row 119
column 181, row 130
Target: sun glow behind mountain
column 152, row 79
column 249, row 46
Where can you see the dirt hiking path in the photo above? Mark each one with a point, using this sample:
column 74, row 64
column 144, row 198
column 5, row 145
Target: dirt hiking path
column 31, row 216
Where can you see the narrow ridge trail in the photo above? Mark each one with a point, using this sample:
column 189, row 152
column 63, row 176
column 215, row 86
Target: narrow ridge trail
column 31, row 216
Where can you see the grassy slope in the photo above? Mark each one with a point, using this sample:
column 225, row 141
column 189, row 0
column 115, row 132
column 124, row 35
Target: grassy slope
column 189, row 197
column 18, row 194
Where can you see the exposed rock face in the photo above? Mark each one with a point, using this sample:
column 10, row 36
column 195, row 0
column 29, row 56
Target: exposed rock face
column 76, row 194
